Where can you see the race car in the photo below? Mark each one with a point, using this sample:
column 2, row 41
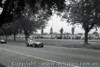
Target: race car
column 3, row 41
column 33, row 43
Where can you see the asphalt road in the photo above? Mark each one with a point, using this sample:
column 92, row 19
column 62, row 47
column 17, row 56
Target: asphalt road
column 16, row 54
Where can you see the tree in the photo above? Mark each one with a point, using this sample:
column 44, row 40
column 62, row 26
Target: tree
column 5, row 30
column 61, row 32
column 30, row 22
column 51, row 32
column 95, row 33
column 14, row 28
column 42, row 30
column 13, row 8
column 10, row 29
column 73, row 30
column 85, row 12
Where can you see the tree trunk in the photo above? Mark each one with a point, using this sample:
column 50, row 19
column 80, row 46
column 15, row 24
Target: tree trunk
column 61, row 36
column 86, row 38
column 42, row 30
column 14, row 36
column 6, row 37
column 26, row 37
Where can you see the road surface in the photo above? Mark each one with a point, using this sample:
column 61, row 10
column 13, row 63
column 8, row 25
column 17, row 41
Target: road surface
column 16, row 54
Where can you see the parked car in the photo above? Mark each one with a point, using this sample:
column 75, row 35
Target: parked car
column 33, row 43
column 3, row 41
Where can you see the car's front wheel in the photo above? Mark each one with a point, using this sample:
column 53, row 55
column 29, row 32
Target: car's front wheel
column 42, row 45
column 27, row 45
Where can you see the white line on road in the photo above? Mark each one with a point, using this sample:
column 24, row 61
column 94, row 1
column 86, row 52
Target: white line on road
column 35, row 57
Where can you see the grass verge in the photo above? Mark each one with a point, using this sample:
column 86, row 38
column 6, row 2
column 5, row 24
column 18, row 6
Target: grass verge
column 94, row 44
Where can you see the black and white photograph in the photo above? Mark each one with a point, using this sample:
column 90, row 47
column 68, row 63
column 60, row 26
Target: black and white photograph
column 49, row 33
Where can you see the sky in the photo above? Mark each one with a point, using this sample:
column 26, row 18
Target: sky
column 57, row 24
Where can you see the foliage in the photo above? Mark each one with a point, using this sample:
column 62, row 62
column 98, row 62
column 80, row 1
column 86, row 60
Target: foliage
column 13, row 8
column 85, row 12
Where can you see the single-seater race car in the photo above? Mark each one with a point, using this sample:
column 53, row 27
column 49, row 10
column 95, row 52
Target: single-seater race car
column 33, row 43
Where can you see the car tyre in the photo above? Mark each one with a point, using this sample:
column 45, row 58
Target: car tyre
column 31, row 45
column 27, row 45
column 41, row 45
column 34, row 45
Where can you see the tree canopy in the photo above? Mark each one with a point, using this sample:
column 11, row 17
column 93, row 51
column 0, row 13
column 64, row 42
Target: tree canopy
column 13, row 8
column 28, row 22
column 85, row 12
